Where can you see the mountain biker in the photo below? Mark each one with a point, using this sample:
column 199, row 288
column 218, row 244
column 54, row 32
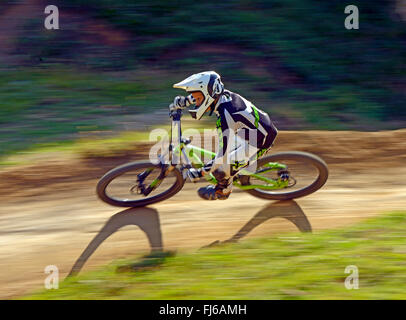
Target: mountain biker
column 237, row 120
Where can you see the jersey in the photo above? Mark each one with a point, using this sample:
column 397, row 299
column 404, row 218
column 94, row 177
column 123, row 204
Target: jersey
column 238, row 116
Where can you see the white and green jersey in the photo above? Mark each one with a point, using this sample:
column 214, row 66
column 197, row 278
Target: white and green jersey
column 238, row 116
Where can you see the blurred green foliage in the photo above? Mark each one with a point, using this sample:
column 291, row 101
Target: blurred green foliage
column 307, row 36
column 285, row 266
column 291, row 57
column 39, row 106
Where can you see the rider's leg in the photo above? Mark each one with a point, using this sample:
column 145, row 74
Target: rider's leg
column 236, row 160
column 223, row 187
column 248, row 146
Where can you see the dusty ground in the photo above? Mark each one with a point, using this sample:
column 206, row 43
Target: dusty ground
column 49, row 213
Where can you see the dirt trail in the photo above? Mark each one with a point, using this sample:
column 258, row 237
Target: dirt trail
column 50, row 214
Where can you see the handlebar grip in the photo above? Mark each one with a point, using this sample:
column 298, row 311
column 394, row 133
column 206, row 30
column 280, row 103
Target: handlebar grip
column 176, row 114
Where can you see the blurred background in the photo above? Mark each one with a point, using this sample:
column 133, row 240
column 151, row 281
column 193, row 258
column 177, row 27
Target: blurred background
column 111, row 60
column 78, row 101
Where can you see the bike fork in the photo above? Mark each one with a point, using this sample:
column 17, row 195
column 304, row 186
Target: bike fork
column 165, row 170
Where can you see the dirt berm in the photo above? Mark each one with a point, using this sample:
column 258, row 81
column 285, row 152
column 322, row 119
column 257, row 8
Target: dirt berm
column 50, row 213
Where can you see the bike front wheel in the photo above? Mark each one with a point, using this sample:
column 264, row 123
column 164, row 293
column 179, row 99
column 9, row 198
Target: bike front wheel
column 306, row 173
column 121, row 186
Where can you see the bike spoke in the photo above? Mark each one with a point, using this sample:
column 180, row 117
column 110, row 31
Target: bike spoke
column 129, row 186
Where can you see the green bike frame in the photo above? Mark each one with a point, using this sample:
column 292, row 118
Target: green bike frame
column 193, row 155
column 196, row 153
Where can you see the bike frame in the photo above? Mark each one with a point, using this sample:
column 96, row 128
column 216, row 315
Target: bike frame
column 271, row 183
column 182, row 153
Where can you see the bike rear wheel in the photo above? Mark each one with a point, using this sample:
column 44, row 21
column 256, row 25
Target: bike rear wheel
column 307, row 174
column 120, row 186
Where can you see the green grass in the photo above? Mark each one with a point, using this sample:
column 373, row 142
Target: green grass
column 41, row 106
column 60, row 93
column 285, row 266
column 53, row 109
column 115, row 145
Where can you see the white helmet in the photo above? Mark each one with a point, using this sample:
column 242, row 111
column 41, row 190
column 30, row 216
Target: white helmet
column 207, row 83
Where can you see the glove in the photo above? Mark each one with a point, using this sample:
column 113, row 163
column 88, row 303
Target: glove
column 194, row 174
column 181, row 102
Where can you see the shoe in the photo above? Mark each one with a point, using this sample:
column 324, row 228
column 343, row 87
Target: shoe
column 213, row 193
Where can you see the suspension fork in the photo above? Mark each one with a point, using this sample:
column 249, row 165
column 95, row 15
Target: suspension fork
column 165, row 170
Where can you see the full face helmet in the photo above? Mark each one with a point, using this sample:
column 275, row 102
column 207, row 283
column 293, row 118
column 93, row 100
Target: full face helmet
column 205, row 87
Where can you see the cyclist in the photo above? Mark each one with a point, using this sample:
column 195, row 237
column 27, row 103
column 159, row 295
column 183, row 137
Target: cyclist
column 237, row 120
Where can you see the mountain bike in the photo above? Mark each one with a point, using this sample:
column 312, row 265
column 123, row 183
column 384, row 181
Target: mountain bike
column 278, row 176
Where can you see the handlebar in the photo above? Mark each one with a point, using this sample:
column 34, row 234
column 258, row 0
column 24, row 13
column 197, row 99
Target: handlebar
column 175, row 114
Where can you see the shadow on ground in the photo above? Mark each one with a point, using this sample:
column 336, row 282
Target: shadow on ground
column 147, row 219
column 288, row 210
